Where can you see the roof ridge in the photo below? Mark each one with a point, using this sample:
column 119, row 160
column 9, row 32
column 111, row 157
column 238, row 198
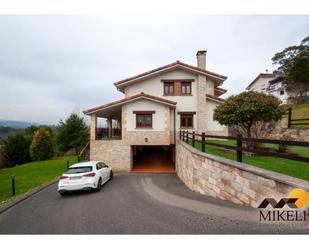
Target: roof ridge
column 178, row 62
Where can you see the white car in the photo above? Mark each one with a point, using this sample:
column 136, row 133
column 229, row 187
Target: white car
column 84, row 176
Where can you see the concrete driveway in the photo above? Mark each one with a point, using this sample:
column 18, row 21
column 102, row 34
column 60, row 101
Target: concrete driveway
column 136, row 204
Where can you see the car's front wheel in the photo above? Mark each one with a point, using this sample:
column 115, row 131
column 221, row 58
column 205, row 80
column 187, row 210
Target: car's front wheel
column 99, row 185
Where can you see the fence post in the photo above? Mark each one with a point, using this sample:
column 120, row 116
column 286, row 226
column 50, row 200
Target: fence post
column 179, row 134
column 289, row 117
column 187, row 137
column 13, row 185
column 68, row 164
column 203, row 141
column 78, row 159
column 239, row 148
column 193, row 138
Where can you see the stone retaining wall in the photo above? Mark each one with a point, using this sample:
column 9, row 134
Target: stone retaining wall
column 230, row 180
column 115, row 153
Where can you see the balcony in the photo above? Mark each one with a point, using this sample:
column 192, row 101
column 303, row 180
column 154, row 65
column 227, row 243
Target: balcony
column 108, row 134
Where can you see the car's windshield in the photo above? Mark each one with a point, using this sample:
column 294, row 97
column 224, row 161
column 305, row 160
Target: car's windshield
column 77, row 170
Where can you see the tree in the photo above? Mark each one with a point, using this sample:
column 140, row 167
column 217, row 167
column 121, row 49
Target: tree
column 15, row 150
column 41, row 147
column 72, row 133
column 293, row 63
column 247, row 109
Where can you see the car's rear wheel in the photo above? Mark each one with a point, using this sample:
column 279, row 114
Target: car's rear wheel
column 99, row 186
column 111, row 175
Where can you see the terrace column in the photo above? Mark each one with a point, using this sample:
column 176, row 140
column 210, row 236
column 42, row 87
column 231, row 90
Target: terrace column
column 93, row 127
column 119, row 124
column 110, row 127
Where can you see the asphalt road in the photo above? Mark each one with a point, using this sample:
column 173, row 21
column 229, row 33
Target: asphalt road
column 136, row 204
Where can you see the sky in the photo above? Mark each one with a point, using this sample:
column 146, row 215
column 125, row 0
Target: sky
column 51, row 66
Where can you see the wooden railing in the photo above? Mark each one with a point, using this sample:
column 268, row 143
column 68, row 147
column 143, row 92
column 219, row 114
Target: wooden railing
column 104, row 133
column 192, row 138
column 295, row 121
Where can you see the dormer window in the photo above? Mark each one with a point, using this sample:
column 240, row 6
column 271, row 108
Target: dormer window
column 168, row 88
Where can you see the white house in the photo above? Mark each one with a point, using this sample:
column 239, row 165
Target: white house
column 143, row 126
column 277, row 88
column 270, row 83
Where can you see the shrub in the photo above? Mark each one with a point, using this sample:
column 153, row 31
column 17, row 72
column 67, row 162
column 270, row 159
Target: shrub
column 283, row 147
column 41, row 147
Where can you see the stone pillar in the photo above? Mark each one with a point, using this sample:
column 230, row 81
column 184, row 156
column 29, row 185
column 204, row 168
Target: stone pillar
column 201, row 104
column 110, row 127
column 93, row 127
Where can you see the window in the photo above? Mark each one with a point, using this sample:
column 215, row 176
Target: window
column 185, row 88
column 144, row 120
column 78, row 170
column 99, row 166
column 186, row 120
column 168, row 88
column 103, row 165
column 281, row 92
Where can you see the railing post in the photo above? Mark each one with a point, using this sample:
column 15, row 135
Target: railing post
column 239, row 148
column 203, row 141
column 179, row 134
column 193, row 138
column 13, row 185
column 187, row 136
column 68, row 164
column 289, row 117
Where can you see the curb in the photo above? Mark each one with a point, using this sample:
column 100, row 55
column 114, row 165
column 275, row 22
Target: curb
column 26, row 196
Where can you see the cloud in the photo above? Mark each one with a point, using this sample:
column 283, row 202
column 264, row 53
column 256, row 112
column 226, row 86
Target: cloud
column 51, row 65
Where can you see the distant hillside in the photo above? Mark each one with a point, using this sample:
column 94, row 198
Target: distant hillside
column 16, row 124
column 9, row 131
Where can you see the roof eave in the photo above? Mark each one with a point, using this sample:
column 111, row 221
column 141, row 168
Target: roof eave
column 120, row 84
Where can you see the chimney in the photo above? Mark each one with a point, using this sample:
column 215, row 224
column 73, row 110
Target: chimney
column 201, row 59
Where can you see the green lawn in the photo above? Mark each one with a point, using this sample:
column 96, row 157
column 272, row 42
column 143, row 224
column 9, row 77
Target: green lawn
column 280, row 165
column 31, row 175
column 300, row 111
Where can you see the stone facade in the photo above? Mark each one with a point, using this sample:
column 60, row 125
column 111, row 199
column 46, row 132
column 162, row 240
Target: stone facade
column 147, row 136
column 201, row 103
column 230, row 180
column 115, row 153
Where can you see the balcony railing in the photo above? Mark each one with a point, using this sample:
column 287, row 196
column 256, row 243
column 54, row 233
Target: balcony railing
column 105, row 134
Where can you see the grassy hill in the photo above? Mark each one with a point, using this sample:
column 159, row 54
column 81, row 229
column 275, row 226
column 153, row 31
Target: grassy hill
column 300, row 111
column 32, row 175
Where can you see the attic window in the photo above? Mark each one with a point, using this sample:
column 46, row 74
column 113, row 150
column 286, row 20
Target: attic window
column 185, row 88
column 168, row 88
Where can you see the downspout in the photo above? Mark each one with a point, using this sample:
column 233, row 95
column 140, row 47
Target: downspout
column 175, row 126
column 174, row 154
